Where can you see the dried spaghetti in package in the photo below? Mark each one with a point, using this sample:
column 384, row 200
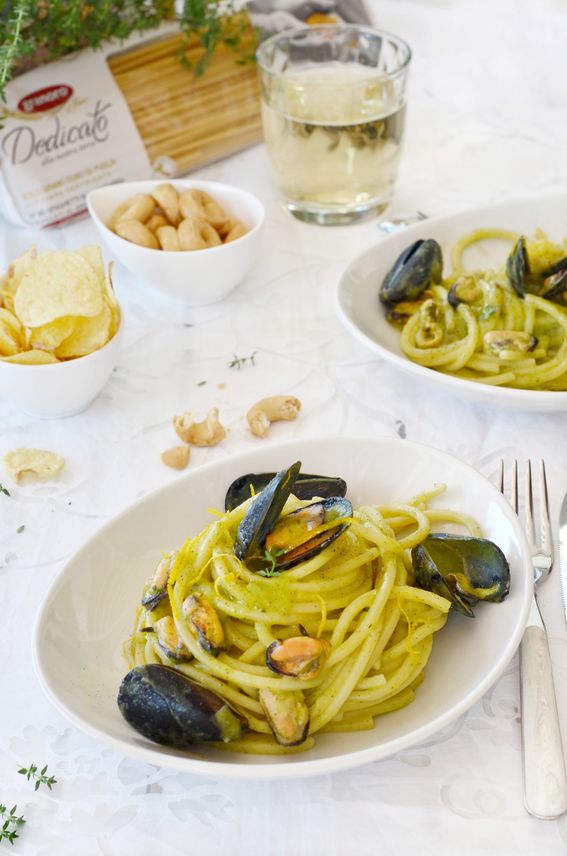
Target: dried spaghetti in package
column 132, row 111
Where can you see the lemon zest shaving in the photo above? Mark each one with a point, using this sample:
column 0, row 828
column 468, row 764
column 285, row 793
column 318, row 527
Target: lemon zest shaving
column 323, row 615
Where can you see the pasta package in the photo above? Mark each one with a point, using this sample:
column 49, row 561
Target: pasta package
column 118, row 114
column 134, row 111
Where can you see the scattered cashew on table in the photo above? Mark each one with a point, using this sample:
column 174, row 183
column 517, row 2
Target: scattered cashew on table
column 209, row 432
column 273, row 409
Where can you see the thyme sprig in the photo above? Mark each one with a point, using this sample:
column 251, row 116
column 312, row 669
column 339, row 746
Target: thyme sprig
column 9, row 829
column 239, row 362
column 271, row 557
column 41, row 777
column 4, row 489
column 35, row 31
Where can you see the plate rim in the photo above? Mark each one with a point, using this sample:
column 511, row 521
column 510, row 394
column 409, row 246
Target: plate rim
column 295, row 766
column 487, row 394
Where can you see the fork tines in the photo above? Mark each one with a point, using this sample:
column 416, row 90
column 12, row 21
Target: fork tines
column 545, row 538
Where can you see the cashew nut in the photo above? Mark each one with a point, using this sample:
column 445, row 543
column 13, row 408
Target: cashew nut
column 269, row 410
column 197, row 234
column 176, row 458
column 137, row 233
column 209, row 432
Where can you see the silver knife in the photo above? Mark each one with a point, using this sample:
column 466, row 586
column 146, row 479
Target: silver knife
column 563, row 553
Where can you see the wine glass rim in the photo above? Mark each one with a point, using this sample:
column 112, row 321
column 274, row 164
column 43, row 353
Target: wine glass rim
column 297, row 31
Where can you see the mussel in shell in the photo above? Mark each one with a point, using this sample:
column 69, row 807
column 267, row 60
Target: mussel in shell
column 170, row 641
column 417, row 267
column 555, row 283
column 287, row 715
column 156, row 589
column 518, row 267
column 293, row 537
column 300, row 657
column 204, row 621
column 462, row 569
column 167, row 707
column 303, row 533
column 550, row 283
column 307, row 486
column 263, row 513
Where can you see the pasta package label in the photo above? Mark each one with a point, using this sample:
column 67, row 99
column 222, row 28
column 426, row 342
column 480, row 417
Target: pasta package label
column 66, row 129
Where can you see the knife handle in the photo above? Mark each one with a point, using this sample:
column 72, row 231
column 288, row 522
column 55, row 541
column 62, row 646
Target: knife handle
column 545, row 779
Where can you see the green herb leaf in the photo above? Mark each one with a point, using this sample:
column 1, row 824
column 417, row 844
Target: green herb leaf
column 20, row 529
column 4, row 489
column 8, row 830
column 487, row 312
column 41, row 777
column 239, row 362
column 33, row 31
column 271, row 557
column 202, row 383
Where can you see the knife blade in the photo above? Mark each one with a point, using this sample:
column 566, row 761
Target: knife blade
column 563, row 553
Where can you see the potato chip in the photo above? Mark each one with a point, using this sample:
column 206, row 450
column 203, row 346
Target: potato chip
column 31, row 358
column 49, row 336
column 112, row 302
column 19, row 267
column 93, row 255
column 89, row 334
column 13, row 324
column 9, row 345
column 59, row 283
column 44, row 465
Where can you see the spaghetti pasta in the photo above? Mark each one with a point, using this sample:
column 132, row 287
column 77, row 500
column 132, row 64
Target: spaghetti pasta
column 355, row 596
column 491, row 334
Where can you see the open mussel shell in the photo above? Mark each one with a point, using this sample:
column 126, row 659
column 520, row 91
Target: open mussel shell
column 263, row 513
column 307, row 486
column 167, row 707
column 518, row 267
column 296, row 537
column 555, row 285
column 417, row 267
column 462, row 569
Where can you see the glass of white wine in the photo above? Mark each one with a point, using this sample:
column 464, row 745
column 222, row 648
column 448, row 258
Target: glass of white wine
column 333, row 108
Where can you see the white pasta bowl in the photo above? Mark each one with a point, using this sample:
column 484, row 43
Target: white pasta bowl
column 359, row 308
column 195, row 277
column 89, row 611
column 58, row 390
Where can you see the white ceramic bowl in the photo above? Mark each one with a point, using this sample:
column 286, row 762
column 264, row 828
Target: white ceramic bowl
column 195, row 277
column 60, row 389
column 90, row 608
column 361, row 312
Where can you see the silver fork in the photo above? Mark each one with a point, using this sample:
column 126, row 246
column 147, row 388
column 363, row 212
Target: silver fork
column 545, row 779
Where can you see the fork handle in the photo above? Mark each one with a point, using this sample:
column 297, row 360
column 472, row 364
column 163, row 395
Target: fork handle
column 545, row 779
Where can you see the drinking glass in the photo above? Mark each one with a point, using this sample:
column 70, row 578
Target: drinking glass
column 333, row 108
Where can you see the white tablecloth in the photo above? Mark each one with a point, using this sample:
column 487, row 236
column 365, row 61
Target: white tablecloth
column 487, row 122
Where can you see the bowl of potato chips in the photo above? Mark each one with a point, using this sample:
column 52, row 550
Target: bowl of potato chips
column 193, row 241
column 60, row 326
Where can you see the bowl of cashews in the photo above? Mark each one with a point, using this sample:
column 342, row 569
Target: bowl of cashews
column 193, row 241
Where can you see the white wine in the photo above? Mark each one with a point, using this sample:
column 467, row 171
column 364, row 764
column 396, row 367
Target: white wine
column 333, row 131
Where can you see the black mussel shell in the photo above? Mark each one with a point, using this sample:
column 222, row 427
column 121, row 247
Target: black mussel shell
column 263, row 513
column 306, row 486
column 462, row 569
column 555, row 286
column 302, row 544
column 420, row 265
column 167, row 707
column 153, row 598
column 518, row 267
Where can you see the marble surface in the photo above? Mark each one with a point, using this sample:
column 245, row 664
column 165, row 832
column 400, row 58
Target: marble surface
column 486, row 123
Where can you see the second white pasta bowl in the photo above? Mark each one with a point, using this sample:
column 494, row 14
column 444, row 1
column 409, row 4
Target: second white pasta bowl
column 192, row 277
